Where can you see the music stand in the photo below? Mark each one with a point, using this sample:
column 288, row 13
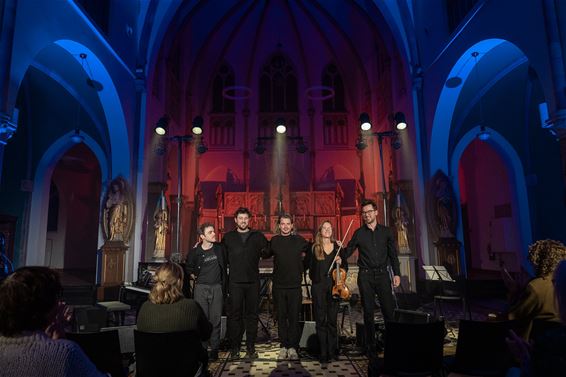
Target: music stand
column 437, row 273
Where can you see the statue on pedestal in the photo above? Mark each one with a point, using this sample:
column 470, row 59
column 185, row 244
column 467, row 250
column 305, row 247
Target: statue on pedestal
column 160, row 225
column 117, row 216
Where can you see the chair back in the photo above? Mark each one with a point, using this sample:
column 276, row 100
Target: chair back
column 482, row 349
column 103, row 349
column 174, row 354
column 541, row 326
column 414, row 348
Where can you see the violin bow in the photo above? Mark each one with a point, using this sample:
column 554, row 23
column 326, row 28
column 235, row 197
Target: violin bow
column 340, row 246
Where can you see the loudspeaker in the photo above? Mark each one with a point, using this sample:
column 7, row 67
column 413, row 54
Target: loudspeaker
column 308, row 334
column 90, row 318
column 411, row 316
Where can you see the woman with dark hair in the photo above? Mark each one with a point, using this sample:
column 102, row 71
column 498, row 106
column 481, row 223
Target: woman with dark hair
column 30, row 327
column 318, row 261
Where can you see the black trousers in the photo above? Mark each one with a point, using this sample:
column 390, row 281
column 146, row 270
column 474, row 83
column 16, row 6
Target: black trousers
column 243, row 313
column 370, row 283
column 326, row 316
column 288, row 302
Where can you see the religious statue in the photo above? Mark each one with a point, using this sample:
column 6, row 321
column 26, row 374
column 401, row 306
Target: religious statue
column 160, row 225
column 401, row 222
column 118, row 211
column 442, row 206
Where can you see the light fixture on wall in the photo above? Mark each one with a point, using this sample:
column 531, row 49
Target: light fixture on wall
column 484, row 134
column 96, row 85
column 400, row 122
column 365, row 124
column 76, row 137
column 162, row 125
column 197, row 125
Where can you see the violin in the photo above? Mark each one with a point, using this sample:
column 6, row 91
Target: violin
column 339, row 289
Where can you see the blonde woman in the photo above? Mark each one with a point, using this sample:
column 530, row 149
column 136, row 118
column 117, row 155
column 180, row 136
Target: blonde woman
column 318, row 261
column 167, row 310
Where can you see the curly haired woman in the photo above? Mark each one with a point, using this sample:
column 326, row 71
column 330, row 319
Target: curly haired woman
column 537, row 301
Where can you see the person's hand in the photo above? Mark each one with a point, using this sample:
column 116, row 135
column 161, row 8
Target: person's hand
column 339, row 243
column 396, row 281
column 63, row 316
column 338, row 260
column 519, row 348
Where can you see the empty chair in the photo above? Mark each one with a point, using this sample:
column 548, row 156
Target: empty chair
column 452, row 291
column 103, row 349
column 481, row 349
column 414, row 349
column 173, row 354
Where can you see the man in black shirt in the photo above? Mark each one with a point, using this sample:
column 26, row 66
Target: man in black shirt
column 206, row 264
column 244, row 248
column 376, row 247
column 288, row 250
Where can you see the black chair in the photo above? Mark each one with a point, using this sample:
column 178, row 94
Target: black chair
column 452, row 291
column 541, row 326
column 481, row 349
column 103, row 349
column 175, row 354
column 414, row 349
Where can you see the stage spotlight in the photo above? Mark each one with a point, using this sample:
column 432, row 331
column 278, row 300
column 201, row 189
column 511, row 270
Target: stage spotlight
column 259, row 148
column 197, row 125
column 280, row 126
column 301, row 147
column 361, row 144
column 162, row 125
column 365, row 124
column 400, row 122
column 201, row 148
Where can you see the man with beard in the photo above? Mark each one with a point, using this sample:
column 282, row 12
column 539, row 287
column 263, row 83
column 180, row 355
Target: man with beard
column 376, row 246
column 244, row 248
column 288, row 250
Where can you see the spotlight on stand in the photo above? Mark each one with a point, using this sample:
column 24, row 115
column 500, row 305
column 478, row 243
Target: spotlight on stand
column 400, row 122
column 301, row 147
column 361, row 144
column 162, row 125
column 259, row 148
column 201, row 148
column 197, row 125
column 365, row 124
column 280, row 126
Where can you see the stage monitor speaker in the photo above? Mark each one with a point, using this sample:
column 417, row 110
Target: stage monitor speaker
column 411, row 316
column 90, row 318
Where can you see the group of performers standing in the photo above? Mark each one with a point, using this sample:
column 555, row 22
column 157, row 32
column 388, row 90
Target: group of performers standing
column 240, row 252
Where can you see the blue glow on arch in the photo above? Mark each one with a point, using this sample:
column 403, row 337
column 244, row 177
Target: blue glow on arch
column 111, row 104
column 440, row 135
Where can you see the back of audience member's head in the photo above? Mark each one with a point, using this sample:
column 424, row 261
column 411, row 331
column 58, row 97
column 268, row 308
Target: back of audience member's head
column 545, row 256
column 560, row 289
column 28, row 300
column 168, row 287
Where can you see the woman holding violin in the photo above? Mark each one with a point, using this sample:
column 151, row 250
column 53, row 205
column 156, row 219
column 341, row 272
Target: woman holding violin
column 318, row 261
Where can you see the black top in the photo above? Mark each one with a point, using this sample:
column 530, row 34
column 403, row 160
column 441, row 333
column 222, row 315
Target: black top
column 208, row 266
column 243, row 257
column 318, row 269
column 288, row 252
column 377, row 248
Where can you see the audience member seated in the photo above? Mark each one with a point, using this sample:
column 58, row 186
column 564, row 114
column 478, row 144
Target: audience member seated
column 31, row 323
column 536, row 300
column 546, row 356
column 167, row 310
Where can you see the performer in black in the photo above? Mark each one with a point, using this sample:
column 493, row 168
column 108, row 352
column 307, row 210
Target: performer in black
column 244, row 248
column 206, row 264
column 318, row 261
column 376, row 246
column 288, row 250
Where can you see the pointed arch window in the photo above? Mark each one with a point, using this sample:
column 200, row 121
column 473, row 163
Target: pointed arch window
column 278, row 86
column 222, row 118
column 335, row 118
